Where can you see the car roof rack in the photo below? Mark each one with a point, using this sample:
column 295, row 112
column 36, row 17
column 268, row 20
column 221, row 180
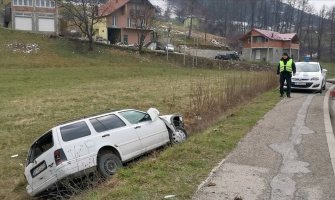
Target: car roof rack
column 87, row 116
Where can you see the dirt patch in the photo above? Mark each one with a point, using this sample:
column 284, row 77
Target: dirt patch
column 22, row 47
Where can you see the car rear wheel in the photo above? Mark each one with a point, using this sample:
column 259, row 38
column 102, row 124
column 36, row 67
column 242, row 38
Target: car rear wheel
column 179, row 136
column 108, row 164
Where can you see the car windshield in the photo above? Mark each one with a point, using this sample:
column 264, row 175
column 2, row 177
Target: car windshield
column 135, row 117
column 40, row 146
column 307, row 67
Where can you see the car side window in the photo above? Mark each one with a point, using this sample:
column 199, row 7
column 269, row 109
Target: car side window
column 75, row 131
column 106, row 123
column 135, row 117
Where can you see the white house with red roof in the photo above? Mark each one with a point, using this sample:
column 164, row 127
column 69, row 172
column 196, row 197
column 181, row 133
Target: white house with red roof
column 264, row 45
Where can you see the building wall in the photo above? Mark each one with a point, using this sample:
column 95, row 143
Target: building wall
column 101, row 29
column 120, row 19
column 2, row 17
column 35, row 13
column 271, row 43
column 133, row 37
column 273, row 56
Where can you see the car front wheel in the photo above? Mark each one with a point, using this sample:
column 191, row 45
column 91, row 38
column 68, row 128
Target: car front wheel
column 108, row 164
column 178, row 136
column 324, row 87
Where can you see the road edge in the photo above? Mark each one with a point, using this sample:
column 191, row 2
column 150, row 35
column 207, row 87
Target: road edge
column 210, row 176
column 328, row 128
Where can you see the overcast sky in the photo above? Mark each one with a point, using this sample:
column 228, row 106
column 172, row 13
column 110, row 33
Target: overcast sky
column 319, row 3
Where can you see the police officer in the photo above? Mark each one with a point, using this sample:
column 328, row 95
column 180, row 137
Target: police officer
column 285, row 68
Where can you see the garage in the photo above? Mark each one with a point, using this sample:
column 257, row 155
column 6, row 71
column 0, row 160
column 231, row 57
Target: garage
column 23, row 23
column 46, row 24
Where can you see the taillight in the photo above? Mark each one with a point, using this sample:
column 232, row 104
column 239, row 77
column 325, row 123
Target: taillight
column 59, row 156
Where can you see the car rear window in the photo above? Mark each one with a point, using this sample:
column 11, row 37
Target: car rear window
column 75, row 131
column 106, row 123
column 40, row 146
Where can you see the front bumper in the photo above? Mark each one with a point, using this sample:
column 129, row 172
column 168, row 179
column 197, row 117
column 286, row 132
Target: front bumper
column 306, row 85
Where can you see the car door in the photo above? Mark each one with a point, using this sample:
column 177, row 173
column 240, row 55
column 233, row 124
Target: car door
column 150, row 132
column 74, row 138
column 40, row 166
column 113, row 131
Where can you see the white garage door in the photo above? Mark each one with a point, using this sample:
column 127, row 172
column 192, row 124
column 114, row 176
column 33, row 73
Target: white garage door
column 23, row 23
column 47, row 25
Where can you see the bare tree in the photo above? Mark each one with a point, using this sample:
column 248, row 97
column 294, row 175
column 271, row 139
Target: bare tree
column 142, row 15
column 331, row 16
column 320, row 32
column 83, row 14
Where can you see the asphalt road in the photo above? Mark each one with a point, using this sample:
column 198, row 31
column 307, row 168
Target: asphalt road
column 285, row 156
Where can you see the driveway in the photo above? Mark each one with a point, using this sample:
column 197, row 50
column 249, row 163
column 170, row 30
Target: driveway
column 285, row 156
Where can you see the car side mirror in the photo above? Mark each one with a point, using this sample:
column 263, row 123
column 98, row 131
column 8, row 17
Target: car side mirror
column 324, row 70
column 153, row 113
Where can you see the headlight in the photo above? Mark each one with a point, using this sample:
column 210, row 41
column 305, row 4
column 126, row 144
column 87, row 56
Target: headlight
column 315, row 79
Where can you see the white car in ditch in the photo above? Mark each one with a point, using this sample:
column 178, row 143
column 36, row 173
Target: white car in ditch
column 101, row 142
column 309, row 76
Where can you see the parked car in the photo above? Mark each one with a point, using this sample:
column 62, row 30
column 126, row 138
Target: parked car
column 169, row 47
column 229, row 56
column 101, row 142
column 221, row 57
column 309, row 76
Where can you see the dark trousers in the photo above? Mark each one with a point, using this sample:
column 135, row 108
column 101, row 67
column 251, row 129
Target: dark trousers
column 285, row 77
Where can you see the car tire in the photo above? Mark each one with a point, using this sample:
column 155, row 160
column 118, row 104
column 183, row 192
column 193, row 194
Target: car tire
column 108, row 164
column 178, row 136
column 324, row 87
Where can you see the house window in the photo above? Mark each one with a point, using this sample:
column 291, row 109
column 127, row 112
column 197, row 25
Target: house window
column 45, row 3
column 125, row 39
column 23, row 2
column 259, row 39
column 129, row 22
column 23, row 14
column 114, row 22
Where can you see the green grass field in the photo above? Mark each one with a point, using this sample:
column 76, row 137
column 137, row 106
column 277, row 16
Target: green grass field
column 59, row 81
column 330, row 69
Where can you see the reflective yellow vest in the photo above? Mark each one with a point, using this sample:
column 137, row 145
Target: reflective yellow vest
column 288, row 65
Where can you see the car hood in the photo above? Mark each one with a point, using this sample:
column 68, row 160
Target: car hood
column 306, row 75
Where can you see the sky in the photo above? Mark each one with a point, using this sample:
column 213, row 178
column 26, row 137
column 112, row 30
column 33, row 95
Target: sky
column 319, row 3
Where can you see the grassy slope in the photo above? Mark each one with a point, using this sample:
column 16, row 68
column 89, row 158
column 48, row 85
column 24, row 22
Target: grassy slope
column 62, row 81
column 330, row 69
column 179, row 170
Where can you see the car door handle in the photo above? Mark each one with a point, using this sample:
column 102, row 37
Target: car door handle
column 106, row 135
column 136, row 127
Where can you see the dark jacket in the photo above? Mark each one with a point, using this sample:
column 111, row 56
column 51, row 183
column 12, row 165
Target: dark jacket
column 285, row 61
